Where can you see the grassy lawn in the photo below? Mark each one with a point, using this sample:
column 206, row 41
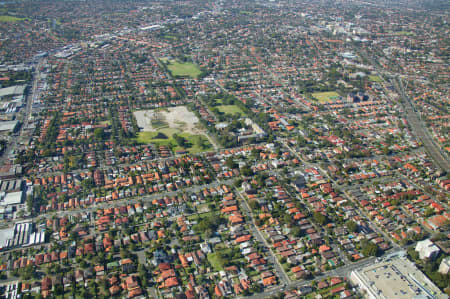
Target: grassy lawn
column 170, row 37
column 374, row 78
column 230, row 109
column 183, row 69
column 150, row 137
column 405, row 33
column 11, row 19
column 200, row 216
column 214, row 261
column 325, row 97
column 194, row 142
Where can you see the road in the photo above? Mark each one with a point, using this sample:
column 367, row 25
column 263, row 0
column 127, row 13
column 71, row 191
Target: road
column 360, row 212
column 257, row 233
column 418, row 127
column 420, row 131
column 342, row 271
column 25, row 114
column 137, row 199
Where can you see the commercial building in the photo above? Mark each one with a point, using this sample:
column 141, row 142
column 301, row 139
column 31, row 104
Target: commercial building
column 8, row 126
column 396, row 277
column 12, row 91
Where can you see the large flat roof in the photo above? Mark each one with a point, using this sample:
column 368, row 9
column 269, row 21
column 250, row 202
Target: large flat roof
column 398, row 278
column 8, row 125
column 5, row 235
column 12, row 90
column 12, row 198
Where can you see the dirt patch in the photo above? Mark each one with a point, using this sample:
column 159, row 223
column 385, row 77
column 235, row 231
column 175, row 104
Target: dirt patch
column 179, row 118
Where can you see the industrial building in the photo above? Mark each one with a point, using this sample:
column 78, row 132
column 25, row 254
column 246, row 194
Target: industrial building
column 21, row 235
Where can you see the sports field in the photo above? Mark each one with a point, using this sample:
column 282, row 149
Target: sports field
column 11, row 19
column 183, row 69
column 230, row 109
column 325, row 97
column 374, row 78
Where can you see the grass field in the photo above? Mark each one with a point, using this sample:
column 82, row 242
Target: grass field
column 230, row 109
column 325, row 97
column 170, row 37
column 405, row 33
column 11, row 19
column 374, row 78
column 183, row 69
column 214, row 261
column 195, row 143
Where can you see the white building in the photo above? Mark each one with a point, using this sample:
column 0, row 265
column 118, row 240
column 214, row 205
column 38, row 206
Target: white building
column 444, row 267
column 427, row 249
column 396, row 278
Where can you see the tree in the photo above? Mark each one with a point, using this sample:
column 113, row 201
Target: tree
column 320, row 218
column 211, row 223
column 99, row 134
column 58, row 289
column 27, row 272
column 246, row 170
column 88, row 183
column 180, row 140
column 254, row 205
column 428, row 212
column 230, row 163
column 297, row 232
column 29, row 203
column 352, row 226
column 369, row 248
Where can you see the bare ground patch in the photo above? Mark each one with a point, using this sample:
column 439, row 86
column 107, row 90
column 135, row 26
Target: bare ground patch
column 179, row 118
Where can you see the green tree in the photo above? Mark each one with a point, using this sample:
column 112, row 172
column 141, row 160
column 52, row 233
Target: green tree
column 180, row 140
column 429, row 212
column 246, row 170
column 369, row 248
column 99, row 134
column 297, row 232
column 254, row 205
column 352, row 226
column 320, row 218
column 230, row 163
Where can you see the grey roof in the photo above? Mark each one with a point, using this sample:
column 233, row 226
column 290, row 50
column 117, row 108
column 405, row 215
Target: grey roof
column 8, row 125
column 12, row 90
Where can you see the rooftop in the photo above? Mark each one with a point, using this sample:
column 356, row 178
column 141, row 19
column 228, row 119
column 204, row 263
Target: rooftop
column 12, row 90
column 396, row 278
